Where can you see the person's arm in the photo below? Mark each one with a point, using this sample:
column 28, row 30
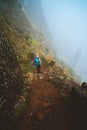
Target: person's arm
column 40, row 61
column 34, row 61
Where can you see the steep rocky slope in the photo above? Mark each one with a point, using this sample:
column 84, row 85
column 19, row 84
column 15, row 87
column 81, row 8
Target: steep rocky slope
column 15, row 16
column 18, row 43
column 35, row 13
column 11, row 81
column 43, row 101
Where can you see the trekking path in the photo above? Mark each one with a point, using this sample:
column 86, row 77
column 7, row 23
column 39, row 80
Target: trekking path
column 46, row 107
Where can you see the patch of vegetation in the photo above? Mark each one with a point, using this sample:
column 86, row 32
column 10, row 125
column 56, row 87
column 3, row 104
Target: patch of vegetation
column 17, row 51
column 72, row 74
column 11, row 82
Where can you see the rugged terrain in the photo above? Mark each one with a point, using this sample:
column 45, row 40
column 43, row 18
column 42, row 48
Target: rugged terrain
column 51, row 100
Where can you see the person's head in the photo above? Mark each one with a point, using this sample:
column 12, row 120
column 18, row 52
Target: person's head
column 37, row 55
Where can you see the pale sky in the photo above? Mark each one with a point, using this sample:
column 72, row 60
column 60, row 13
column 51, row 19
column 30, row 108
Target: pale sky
column 67, row 21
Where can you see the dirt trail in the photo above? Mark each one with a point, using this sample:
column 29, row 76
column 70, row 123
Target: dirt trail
column 46, row 109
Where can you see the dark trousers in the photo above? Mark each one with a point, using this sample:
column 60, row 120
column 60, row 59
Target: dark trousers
column 38, row 69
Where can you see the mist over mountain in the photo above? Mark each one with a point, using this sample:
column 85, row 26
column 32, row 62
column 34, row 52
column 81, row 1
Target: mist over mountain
column 28, row 99
column 67, row 22
column 59, row 24
column 19, row 42
column 34, row 12
column 14, row 13
column 34, row 22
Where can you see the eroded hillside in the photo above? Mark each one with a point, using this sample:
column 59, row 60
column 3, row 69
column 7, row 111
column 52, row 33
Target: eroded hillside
column 47, row 101
column 19, row 41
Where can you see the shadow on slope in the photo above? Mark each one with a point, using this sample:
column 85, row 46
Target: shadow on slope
column 11, row 83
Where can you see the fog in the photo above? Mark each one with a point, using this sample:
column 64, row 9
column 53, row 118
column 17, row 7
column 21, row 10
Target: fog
column 67, row 21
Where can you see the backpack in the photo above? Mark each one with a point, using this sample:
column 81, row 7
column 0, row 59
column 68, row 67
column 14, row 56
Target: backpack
column 36, row 61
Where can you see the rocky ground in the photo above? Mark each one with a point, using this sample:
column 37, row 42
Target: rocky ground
column 52, row 103
column 51, row 100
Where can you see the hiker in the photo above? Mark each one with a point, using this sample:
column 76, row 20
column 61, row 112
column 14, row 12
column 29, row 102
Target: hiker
column 37, row 63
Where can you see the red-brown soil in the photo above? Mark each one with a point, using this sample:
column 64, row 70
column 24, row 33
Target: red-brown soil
column 46, row 107
column 55, row 102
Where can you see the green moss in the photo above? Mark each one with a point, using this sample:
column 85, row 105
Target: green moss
column 34, row 42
